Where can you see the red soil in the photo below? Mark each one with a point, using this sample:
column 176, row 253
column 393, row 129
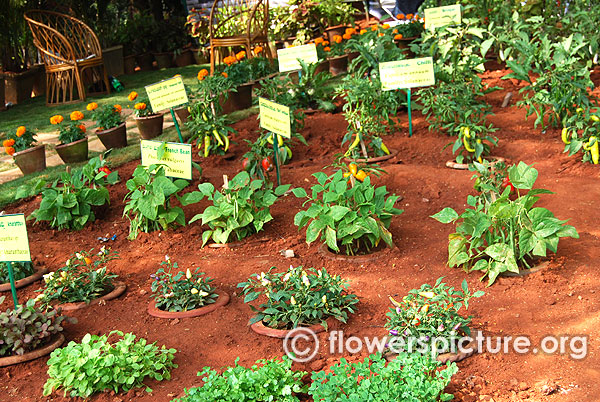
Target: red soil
column 559, row 300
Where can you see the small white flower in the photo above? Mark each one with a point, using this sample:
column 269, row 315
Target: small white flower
column 293, row 301
column 169, row 295
column 99, row 270
column 305, row 280
column 194, row 291
column 48, row 277
column 203, row 293
column 319, row 273
column 167, row 258
column 69, row 262
column 188, row 274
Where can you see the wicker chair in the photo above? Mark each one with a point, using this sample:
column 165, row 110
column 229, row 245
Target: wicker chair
column 72, row 56
column 238, row 23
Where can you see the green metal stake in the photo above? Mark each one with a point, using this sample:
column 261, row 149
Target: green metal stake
column 409, row 113
column 13, row 289
column 276, row 159
column 177, row 126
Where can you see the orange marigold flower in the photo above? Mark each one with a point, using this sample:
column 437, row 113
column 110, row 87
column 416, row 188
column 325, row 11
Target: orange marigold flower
column 224, row 74
column 258, row 50
column 363, row 31
column 202, row 74
column 327, row 48
column 82, row 128
column 8, row 143
column 92, row 106
column 140, row 106
column 21, row 130
column 350, row 31
column 132, row 96
column 76, row 115
column 240, row 55
column 229, row 60
column 10, row 150
column 395, row 31
column 400, row 16
column 118, row 108
column 385, row 26
column 319, row 40
column 409, row 16
column 398, row 37
column 347, row 36
column 56, row 119
column 416, row 16
column 374, row 28
column 380, row 34
column 337, row 38
column 325, row 43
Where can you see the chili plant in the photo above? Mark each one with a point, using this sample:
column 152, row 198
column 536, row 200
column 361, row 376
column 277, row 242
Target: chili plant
column 582, row 131
column 500, row 235
column 471, row 144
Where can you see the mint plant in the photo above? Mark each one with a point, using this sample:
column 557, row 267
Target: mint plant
column 355, row 217
column 149, row 199
column 241, row 208
column 99, row 365
column 268, row 380
column 498, row 234
column 409, row 377
column 298, row 297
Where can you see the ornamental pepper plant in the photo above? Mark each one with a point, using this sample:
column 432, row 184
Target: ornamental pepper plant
column 581, row 132
column 298, row 297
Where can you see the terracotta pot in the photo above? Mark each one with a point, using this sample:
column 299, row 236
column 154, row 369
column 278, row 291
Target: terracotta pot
column 262, row 329
column 182, row 114
column 163, row 60
column 335, row 30
column 352, row 56
column 39, row 82
column 18, row 86
column 55, row 342
column 240, row 100
column 185, row 58
column 322, row 67
column 37, row 275
column 338, row 65
column 150, row 126
column 129, row 64
column 199, row 56
column 392, row 154
column 222, row 300
column 144, row 61
column 404, row 43
column 115, row 137
column 74, row 152
column 2, row 102
column 465, row 166
column 113, row 60
column 119, row 289
column 31, row 160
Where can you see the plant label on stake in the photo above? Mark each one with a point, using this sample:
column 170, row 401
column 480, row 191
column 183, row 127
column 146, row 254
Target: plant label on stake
column 275, row 118
column 14, row 246
column 168, row 94
column 288, row 57
column 439, row 16
column 407, row 74
column 176, row 157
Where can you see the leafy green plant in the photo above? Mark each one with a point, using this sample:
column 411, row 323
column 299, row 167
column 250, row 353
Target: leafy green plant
column 374, row 46
column 355, row 217
column 71, row 131
column 84, row 277
column 499, row 234
column 334, row 12
column 25, row 328
column 148, row 206
column 311, row 91
column 431, row 312
column 18, row 141
column 181, row 291
column 258, row 161
column 298, row 297
column 98, row 365
column 470, row 143
column 69, row 202
column 268, row 380
column 20, row 270
column 409, row 377
column 106, row 116
column 241, row 208
column 581, row 131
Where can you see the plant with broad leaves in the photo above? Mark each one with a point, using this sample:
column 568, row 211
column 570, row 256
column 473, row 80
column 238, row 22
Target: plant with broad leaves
column 148, row 206
column 409, row 377
column 99, row 365
column 298, row 297
column 355, row 217
column 241, row 208
column 431, row 313
column 497, row 234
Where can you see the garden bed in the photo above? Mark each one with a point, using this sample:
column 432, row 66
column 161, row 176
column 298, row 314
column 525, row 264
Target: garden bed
column 562, row 298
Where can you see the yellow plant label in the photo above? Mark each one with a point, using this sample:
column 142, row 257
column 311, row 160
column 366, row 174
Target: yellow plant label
column 409, row 73
column 288, row 57
column 177, row 158
column 275, row 117
column 167, row 94
column 14, row 244
column 440, row 16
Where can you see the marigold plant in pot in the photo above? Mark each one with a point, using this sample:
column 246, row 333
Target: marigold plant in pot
column 21, row 145
column 110, row 126
column 73, row 146
column 149, row 124
column 298, row 297
column 348, row 215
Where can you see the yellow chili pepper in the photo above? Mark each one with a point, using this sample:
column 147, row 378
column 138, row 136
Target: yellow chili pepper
column 564, row 135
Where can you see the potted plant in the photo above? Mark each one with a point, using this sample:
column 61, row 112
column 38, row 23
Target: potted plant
column 27, row 157
column 84, row 280
column 198, row 24
column 347, row 213
column 149, row 124
column 238, row 71
column 408, row 28
column 334, row 16
column 73, row 146
column 110, row 127
column 29, row 332
column 178, row 294
column 295, row 298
